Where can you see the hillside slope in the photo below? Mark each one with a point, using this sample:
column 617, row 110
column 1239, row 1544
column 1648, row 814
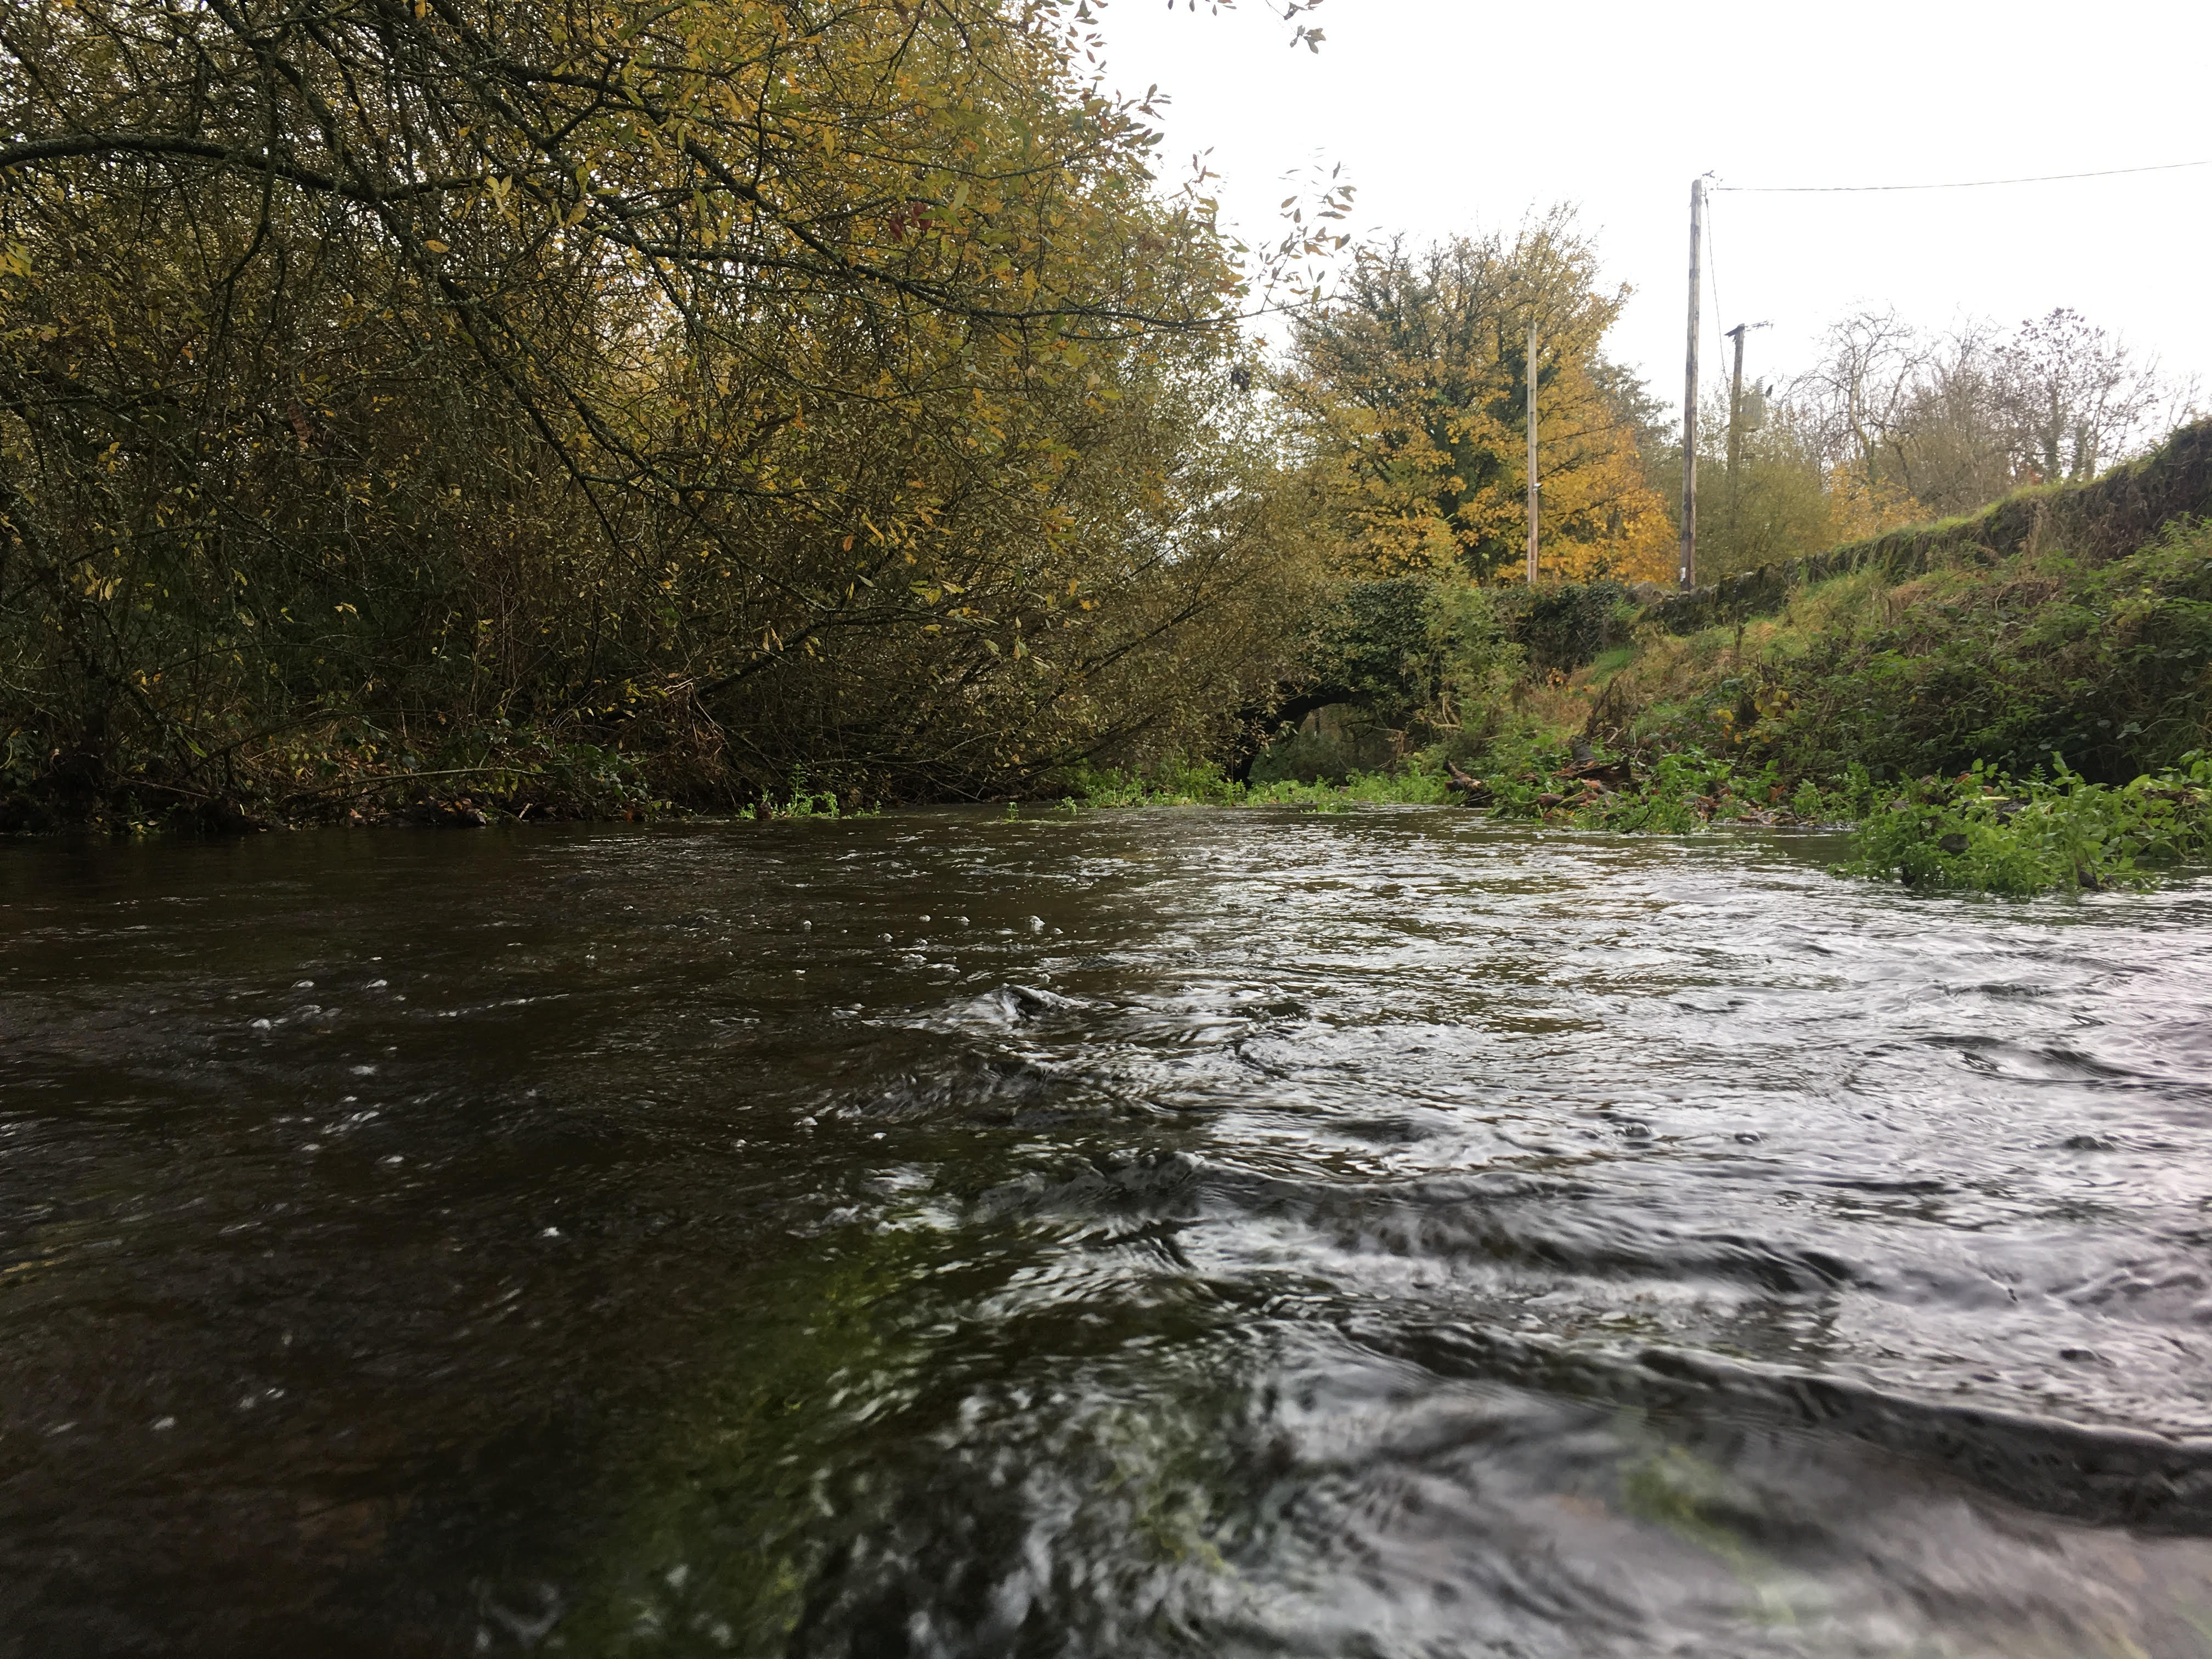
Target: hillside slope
column 2069, row 622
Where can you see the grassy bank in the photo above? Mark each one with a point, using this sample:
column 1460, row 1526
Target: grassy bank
column 2008, row 662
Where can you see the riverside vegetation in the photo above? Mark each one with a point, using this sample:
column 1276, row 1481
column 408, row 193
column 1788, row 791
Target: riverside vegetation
column 466, row 409
column 460, row 411
column 570, row 408
column 2001, row 701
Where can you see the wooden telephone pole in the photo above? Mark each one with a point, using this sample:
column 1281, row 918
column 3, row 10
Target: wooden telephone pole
column 1735, row 417
column 1736, row 405
column 1688, row 573
column 1531, row 377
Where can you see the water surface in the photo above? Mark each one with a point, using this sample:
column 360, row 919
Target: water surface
column 1155, row 1233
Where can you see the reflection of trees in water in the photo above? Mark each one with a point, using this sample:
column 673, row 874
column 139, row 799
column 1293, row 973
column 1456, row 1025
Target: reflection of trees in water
column 950, row 1432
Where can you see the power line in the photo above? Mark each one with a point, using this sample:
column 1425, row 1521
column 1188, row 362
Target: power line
column 1963, row 184
column 1713, row 272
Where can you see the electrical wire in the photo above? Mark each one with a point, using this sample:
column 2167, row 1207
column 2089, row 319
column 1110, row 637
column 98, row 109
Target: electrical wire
column 1713, row 265
column 1963, row 184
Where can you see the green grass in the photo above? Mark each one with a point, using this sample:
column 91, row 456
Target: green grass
column 2006, row 663
column 2004, row 725
column 1607, row 664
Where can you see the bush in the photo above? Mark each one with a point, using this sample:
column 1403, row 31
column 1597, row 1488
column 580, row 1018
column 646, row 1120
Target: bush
column 1403, row 661
column 291, row 487
column 1373, row 640
column 1563, row 627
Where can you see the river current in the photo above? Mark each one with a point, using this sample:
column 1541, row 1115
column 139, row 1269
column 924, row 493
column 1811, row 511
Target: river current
column 1377, row 1234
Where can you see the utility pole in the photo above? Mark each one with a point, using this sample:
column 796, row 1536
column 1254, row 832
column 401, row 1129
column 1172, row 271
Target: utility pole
column 1689, row 563
column 1532, row 451
column 1735, row 419
column 1736, row 409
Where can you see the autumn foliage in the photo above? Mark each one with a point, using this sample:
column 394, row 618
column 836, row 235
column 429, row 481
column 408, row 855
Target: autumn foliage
column 1413, row 385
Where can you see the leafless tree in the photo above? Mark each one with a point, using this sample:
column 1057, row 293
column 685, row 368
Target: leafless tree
column 1950, row 450
column 1955, row 420
column 2073, row 399
column 1872, row 363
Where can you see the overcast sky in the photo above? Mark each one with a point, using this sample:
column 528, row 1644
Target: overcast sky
column 1455, row 115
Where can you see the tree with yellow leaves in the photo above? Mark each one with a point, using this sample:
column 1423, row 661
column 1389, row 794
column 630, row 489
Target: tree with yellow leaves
column 1413, row 385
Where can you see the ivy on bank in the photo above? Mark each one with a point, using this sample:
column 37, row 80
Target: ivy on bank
column 1996, row 833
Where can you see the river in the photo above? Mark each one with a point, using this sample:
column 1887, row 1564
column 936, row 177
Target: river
column 1377, row 1234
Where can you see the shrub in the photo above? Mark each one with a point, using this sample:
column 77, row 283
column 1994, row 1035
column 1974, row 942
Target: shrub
column 1563, row 627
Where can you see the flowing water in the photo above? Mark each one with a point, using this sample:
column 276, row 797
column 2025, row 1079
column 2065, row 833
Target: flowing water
column 1153, row 1233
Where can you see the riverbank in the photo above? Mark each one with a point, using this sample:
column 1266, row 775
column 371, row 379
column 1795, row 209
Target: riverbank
column 2013, row 701
column 1985, row 830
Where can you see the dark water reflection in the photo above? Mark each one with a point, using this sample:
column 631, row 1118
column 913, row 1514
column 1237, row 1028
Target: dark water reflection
column 1185, row 1233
